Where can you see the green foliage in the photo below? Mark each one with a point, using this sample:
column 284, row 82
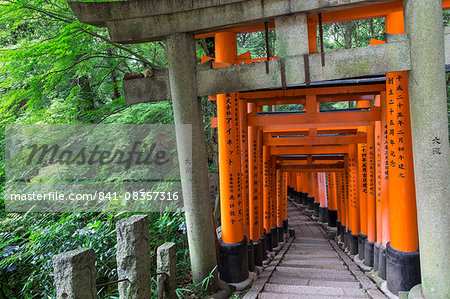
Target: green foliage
column 29, row 241
column 352, row 34
column 53, row 69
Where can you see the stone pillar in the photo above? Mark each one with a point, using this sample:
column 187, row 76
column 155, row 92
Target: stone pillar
column 133, row 257
column 193, row 162
column 166, row 263
column 427, row 89
column 75, row 275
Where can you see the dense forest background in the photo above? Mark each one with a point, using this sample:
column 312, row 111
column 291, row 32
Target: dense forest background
column 55, row 70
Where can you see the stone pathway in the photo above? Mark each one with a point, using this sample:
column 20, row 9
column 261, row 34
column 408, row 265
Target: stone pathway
column 310, row 266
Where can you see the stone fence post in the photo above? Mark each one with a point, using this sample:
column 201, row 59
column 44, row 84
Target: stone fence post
column 166, row 263
column 75, row 274
column 133, row 257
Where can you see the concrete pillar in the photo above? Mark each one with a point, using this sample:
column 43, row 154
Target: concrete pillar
column 292, row 35
column 133, row 257
column 166, row 262
column 427, row 89
column 75, row 275
column 193, row 162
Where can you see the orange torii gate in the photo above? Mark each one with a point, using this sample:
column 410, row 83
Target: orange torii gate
column 280, row 80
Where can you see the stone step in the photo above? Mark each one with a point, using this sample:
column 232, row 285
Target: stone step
column 314, row 290
column 336, row 275
column 311, row 255
column 313, row 260
column 317, row 252
column 270, row 295
column 293, row 264
column 314, row 282
column 311, row 240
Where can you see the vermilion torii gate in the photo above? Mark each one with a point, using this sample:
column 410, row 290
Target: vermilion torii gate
column 418, row 167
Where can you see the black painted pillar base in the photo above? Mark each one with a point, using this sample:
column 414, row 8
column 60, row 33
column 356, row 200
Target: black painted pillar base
column 305, row 199
column 376, row 252
column 280, row 234
column 263, row 241
column 274, row 232
column 323, row 215
column 353, row 243
column 316, row 209
column 338, row 228
column 368, row 253
column 361, row 245
column 295, row 196
column 269, row 241
column 402, row 269
column 251, row 256
column 257, row 250
column 299, row 199
column 382, row 262
column 310, row 203
column 332, row 218
column 233, row 260
column 290, row 191
column 285, row 226
column 345, row 236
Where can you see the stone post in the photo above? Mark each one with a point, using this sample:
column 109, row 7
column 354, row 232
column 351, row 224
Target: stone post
column 133, row 257
column 75, row 274
column 167, row 263
column 427, row 90
column 193, row 162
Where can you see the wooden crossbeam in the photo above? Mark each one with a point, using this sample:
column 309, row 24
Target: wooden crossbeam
column 301, row 99
column 331, row 167
column 361, row 137
column 347, row 131
column 296, row 159
column 345, row 119
column 320, row 92
column 309, row 150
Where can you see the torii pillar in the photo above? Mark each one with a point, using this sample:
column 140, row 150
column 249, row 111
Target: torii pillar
column 427, row 89
column 402, row 255
column 194, row 174
column 233, row 246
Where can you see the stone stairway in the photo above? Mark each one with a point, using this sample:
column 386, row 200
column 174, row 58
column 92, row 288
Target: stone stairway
column 310, row 267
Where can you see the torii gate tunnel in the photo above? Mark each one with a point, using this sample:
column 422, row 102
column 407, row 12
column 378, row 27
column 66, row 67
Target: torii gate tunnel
column 378, row 173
